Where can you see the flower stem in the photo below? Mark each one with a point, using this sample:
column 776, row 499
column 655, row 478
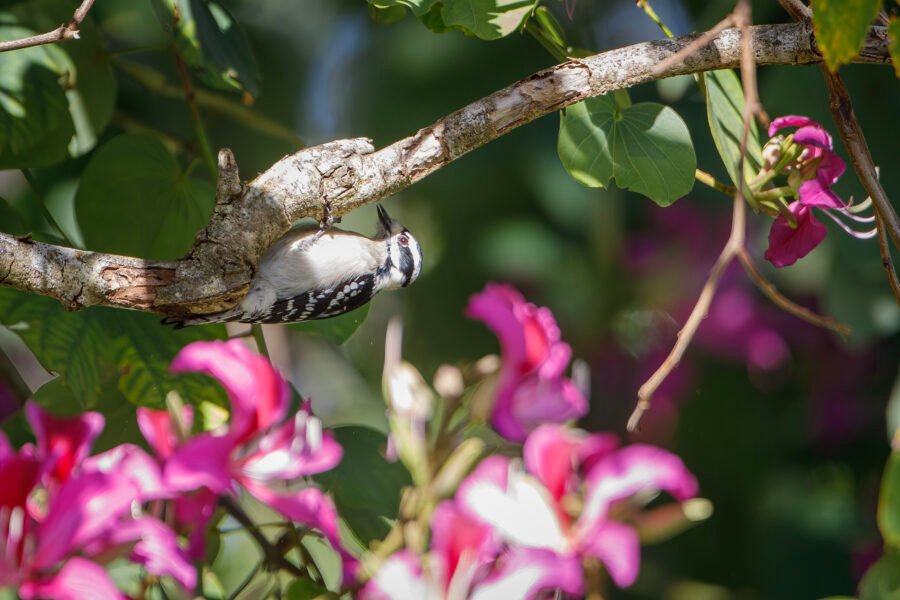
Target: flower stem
column 707, row 179
column 260, row 338
column 199, row 129
column 645, row 6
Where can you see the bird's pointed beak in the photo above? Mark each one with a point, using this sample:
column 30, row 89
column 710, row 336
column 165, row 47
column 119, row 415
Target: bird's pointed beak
column 384, row 222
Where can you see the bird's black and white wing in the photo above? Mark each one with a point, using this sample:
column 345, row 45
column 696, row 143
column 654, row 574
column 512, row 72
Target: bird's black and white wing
column 324, row 303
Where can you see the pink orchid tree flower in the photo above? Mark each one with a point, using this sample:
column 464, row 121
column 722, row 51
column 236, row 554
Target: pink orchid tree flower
column 465, row 562
column 61, row 517
column 531, row 509
column 812, row 174
column 532, row 388
column 260, row 450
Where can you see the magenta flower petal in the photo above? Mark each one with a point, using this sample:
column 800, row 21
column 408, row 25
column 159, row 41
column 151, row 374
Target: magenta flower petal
column 617, row 546
column 813, row 135
column 135, row 465
column 789, row 121
column 157, row 428
column 458, row 542
column 193, row 511
column 491, row 476
column 830, row 169
column 63, row 442
column 531, row 401
column 82, row 509
column 79, row 579
column 626, row 472
column 155, row 547
column 530, row 573
column 299, row 447
column 202, row 461
column 532, row 389
column 787, row 244
column 550, row 454
column 19, row 473
column 259, row 395
column 813, row 193
column 399, row 578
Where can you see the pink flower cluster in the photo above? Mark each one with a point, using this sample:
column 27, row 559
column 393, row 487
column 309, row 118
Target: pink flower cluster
column 813, row 173
column 526, row 528
column 64, row 513
column 520, row 531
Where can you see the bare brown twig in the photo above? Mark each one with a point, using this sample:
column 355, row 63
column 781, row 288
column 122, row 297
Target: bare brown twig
column 786, row 304
column 694, row 46
column 66, row 31
column 884, row 248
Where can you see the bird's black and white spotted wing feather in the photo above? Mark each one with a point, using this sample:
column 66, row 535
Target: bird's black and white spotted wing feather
column 347, row 295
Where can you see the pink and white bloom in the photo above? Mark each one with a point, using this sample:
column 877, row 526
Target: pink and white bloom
column 61, row 517
column 260, row 450
column 535, row 509
column 532, row 388
column 811, row 175
column 465, row 562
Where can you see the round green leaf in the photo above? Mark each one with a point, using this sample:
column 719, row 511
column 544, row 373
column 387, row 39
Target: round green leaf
column 35, row 125
column 365, row 486
column 418, row 7
column 487, row 19
column 134, row 199
column 646, row 147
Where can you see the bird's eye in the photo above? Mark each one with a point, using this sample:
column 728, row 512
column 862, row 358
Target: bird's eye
column 404, row 241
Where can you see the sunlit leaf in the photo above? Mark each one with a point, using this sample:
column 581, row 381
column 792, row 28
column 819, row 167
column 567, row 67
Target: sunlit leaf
column 646, row 147
column 212, row 43
column 418, row 7
column 134, row 199
column 841, row 27
column 487, row 19
column 894, row 32
column 725, row 114
column 35, row 124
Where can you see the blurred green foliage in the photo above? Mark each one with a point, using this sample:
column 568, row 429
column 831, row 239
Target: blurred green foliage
column 789, row 449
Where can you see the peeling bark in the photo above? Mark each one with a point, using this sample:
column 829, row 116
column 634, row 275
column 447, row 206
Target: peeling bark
column 347, row 174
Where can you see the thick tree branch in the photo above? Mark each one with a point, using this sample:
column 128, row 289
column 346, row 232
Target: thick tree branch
column 66, row 31
column 350, row 173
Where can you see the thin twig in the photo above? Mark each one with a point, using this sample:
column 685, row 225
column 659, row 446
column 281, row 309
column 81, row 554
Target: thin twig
column 735, row 243
column 887, row 261
column 698, row 43
column 786, row 304
column 273, row 556
column 66, row 31
column 191, row 99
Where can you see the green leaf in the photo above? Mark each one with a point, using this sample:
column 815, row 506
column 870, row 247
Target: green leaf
column 135, row 200
column 882, row 580
column 365, row 486
column 35, row 124
column 337, row 330
column 95, row 349
column 212, row 43
column 725, row 114
column 89, row 82
column 646, row 147
column 889, row 502
column 418, row 7
column 487, row 19
column 71, row 344
column 894, row 33
column 305, row 589
column 841, row 27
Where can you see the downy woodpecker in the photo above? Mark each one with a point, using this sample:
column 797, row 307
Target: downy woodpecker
column 316, row 274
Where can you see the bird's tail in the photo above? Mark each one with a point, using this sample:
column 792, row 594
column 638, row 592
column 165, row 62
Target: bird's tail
column 220, row 317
